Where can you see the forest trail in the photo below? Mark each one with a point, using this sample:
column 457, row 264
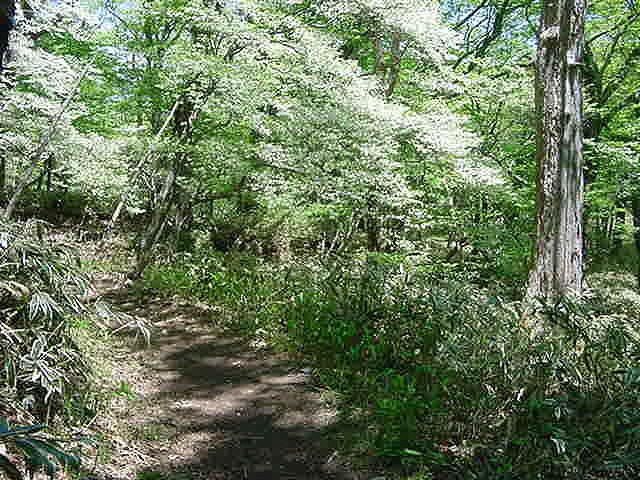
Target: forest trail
column 208, row 405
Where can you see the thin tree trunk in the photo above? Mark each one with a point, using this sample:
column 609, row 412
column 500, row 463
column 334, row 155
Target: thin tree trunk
column 3, row 178
column 379, row 67
column 184, row 117
column 619, row 222
column 184, row 114
column 45, row 140
column 49, row 166
column 158, row 217
column 394, row 66
column 372, row 226
column 138, row 169
column 558, row 257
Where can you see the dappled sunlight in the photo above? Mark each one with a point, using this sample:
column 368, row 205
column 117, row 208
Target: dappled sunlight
column 212, row 404
column 320, row 239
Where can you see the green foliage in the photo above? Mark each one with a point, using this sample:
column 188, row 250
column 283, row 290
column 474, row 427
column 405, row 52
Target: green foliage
column 241, row 285
column 124, row 390
column 361, row 226
column 64, row 43
column 150, row 476
column 438, row 374
column 39, row 452
column 41, row 290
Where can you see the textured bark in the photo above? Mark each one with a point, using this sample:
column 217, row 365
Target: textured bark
column 388, row 70
column 636, row 223
column 379, row 68
column 3, row 178
column 7, row 22
column 158, row 219
column 394, row 64
column 558, row 258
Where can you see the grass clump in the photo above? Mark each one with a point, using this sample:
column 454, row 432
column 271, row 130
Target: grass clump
column 40, row 301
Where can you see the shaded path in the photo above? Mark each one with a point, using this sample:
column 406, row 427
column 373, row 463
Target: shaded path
column 209, row 406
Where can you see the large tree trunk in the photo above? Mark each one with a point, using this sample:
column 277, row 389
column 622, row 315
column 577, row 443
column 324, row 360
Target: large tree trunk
column 636, row 223
column 558, row 258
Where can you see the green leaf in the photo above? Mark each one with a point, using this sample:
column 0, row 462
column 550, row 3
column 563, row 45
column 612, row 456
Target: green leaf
column 35, row 457
column 415, row 453
column 21, row 430
column 52, row 449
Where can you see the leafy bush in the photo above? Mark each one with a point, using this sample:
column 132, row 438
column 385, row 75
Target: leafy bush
column 242, row 285
column 375, row 331
column 559, row 406
column 438, row 373
column 40, row 295
column 39, row 452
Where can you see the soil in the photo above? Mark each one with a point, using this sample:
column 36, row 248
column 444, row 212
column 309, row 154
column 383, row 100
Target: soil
column 199, row 403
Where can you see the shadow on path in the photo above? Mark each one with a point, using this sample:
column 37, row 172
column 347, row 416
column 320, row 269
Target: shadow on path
column 213, row 407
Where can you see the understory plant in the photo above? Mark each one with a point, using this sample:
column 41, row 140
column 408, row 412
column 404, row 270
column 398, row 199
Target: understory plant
column 38, row 452
column 441, row 374
column 41, row 289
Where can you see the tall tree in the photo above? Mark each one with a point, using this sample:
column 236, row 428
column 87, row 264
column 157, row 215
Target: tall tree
column 558, row 261
column 7, row 22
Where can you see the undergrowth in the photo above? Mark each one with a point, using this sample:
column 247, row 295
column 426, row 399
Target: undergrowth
column 40, row 301
column 51, row 333
column 439, row 375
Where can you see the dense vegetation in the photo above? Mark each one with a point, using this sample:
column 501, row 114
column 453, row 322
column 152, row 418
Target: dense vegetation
column 354, row 182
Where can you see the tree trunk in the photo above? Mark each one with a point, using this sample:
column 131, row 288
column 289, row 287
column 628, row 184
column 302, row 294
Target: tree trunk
column 372, row 224
column 7, row 22
column 139, row 168
column 558, row 257
column 379, row 68
column 43, row 144
column 3, row 178
column 636, row 223
column 394, row 64
column 184, row 116
column 158, row 218
column 619, row 223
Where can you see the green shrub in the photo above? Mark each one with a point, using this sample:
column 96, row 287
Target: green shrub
column 558, row 407
column 39, row 452
column 41, row 309
column 440, row 375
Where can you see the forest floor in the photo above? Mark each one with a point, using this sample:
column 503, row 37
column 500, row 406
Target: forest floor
column 202, row 403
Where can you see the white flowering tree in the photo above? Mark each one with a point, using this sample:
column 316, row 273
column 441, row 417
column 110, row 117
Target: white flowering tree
column 260, row 102
column 52, row 59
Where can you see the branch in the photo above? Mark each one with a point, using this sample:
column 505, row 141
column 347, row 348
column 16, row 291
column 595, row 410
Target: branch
column 138, row 169
column 461, row 23
column 44, row 142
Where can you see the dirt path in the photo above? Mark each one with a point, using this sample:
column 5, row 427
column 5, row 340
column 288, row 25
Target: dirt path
column 209, row 406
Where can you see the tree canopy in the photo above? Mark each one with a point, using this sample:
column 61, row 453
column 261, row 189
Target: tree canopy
column 396, row 183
